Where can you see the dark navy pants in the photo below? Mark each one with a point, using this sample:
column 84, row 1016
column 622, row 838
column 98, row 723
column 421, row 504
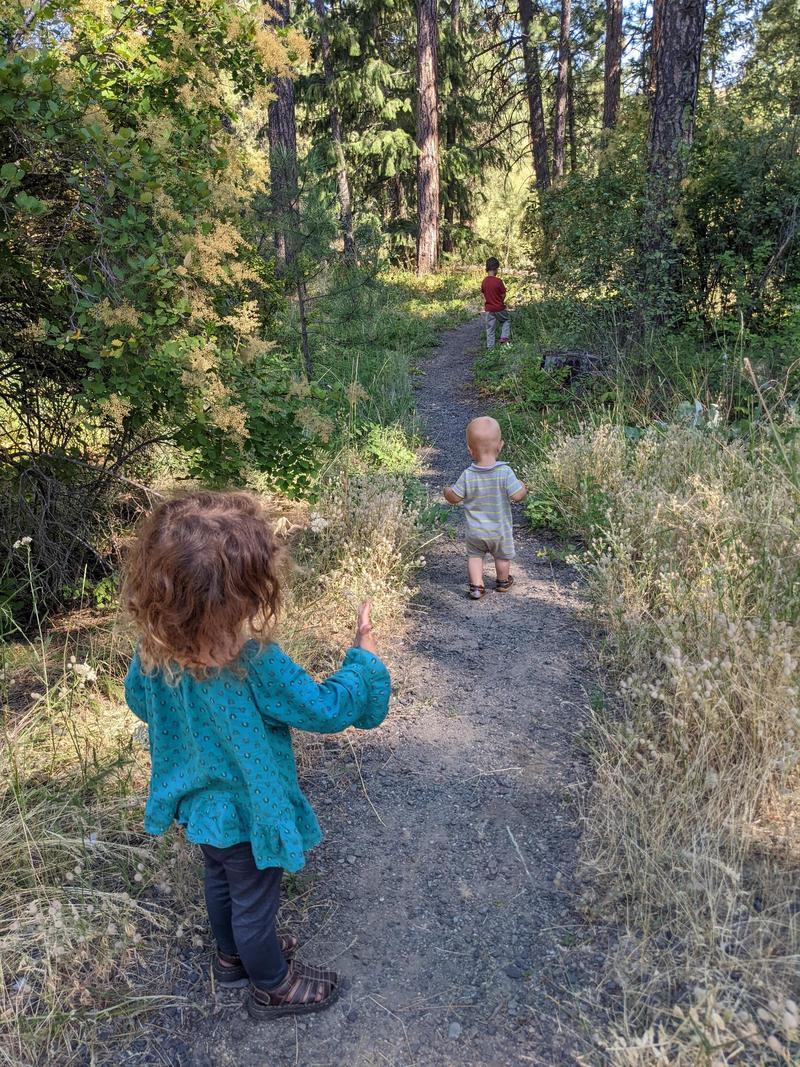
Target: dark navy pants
column 242, row 904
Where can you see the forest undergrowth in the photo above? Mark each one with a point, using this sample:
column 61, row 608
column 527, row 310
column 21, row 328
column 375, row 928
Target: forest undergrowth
column 680, row 492
column 99, row 920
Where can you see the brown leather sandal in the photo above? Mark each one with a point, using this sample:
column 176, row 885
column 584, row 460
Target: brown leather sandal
column 502, row 585
column 303, row 990
column 229, row 971
column 476, row 592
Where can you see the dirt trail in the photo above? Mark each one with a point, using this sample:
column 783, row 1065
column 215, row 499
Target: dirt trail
column 451, row 915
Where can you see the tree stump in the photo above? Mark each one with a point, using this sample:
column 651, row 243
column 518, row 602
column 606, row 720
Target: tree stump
column 577, row 362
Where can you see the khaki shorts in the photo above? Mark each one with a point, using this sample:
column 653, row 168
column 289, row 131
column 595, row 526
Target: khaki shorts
column 479, row 547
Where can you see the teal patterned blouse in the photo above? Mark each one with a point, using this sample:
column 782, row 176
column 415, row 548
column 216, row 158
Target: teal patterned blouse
column 221, row 754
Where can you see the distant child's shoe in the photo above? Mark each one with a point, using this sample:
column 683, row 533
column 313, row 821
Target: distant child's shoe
column 502, row 585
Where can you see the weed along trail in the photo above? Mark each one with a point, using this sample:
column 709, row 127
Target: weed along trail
column 443, row 889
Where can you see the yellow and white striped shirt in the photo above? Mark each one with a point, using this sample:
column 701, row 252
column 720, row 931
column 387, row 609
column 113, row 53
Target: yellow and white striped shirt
column 486, row 493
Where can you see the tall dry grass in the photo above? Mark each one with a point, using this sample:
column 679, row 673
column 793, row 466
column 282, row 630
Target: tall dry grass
column 97, row 920
column 692, row 838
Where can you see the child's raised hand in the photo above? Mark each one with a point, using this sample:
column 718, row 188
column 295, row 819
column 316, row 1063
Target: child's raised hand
column 364, row 638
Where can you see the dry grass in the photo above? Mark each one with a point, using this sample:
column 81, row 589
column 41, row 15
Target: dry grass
column 87, row 900
column 691, row 827
column 97, row 917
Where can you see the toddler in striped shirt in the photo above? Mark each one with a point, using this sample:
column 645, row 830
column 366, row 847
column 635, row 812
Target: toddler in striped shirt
column 485, row 491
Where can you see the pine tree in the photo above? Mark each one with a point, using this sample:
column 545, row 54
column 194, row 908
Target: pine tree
column 427, row 138
column 612, row 79
column 676, row 72
column 533, row 88
column 342, row 180
column 562, row 80
column 455, row 67
column 282, row 136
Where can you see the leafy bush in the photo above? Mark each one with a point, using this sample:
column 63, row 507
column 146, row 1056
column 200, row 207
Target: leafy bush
column 136, row 305
column 735, row 235
column 389, row 448
column 738, row 219
column 585, row 232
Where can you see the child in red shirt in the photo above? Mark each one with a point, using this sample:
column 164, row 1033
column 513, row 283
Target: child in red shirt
column 494, row 297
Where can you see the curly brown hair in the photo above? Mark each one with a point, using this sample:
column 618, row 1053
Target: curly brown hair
column 202, row 577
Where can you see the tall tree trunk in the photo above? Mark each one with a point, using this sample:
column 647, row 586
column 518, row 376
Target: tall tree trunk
column 448, row 244
column 713, row 49
column 655, row 34
column 573, row 140
column 562, row 79
column 284, row 184
column 612, row 78
column 397, row 195
column 678, row 40
column 283, row 169
column 427, row 139
column 533, row 85
column 283, row 153
column 342, row 182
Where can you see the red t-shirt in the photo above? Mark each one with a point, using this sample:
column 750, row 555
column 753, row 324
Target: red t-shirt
column 493, row 293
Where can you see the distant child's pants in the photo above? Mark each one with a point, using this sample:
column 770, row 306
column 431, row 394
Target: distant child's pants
column 492, row 318
column 242, row 904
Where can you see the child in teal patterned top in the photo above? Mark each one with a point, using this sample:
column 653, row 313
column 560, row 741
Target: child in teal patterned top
column 219, row 699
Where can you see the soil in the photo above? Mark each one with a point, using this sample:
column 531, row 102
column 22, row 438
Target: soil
column 444, row 888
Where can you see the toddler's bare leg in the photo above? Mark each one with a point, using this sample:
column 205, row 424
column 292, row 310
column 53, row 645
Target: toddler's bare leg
column 503, row 569
column 475, row 568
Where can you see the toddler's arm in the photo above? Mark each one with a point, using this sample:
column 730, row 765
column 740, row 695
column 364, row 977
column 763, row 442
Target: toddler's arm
column 355, row 695
column 516, row 489
column 456, row 492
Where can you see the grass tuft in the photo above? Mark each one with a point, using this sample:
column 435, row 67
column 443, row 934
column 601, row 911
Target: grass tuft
column 692, row 826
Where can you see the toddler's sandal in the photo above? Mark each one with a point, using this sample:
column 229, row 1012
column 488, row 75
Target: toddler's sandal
column 228, row 970
column 476, row 592
column 502, row 585
column 303, row 990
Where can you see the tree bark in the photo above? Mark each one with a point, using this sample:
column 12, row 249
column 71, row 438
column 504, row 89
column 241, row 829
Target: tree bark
column 283, row 155
column 562, row 80
column 397, row 196
column 342, row 181
column 677, row 40
column 573, row 140
column 284, row 184
column 655, row 33
column 427, row 138
column 448, row 244
column 533, row 85
column 612, row 78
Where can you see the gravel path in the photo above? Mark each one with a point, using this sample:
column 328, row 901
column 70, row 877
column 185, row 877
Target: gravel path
column 448, row 904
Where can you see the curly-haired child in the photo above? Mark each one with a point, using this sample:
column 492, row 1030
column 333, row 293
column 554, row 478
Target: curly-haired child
column 203, row 585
